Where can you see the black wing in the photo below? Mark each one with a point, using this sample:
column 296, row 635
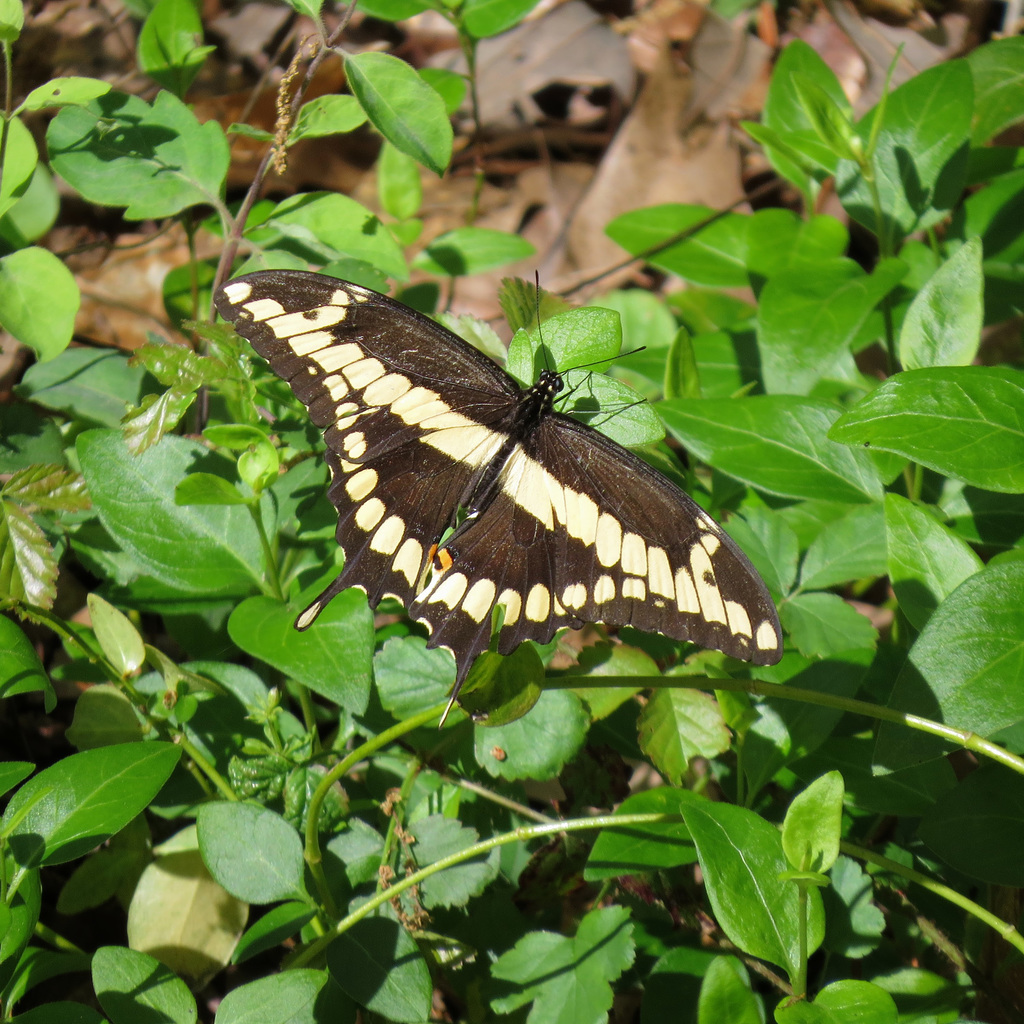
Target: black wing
column 412, row 415
column 581, row 530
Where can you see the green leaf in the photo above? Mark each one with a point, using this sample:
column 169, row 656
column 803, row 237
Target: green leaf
column 927, row 561
column 809, row 321
column 264, row 628
column 251, row 851
column 117, row 637
column 209, row 550
column 678, row 725
column 438, row 837
column 634, row 849
column 12, row 772
column 169, row 49
column 829, row 119
column 410, row 678
column 402, row 107
column 821, row 625
column 920, row 157
column 38, row 300
column 451, row 87
column 741, row 858
column 378, row 964
column 208, row 489
column 60, row 1012
column 155, row 416
column 166, row 160
column 66, row 91
column 84, row 799
column 133, row 986
column 725, row 994
column 286, row 998
column 48, row 487
column 327, row 115
column 273, row 928
column 812, row 828
column 964, row 421
column 776, row 443
column 103, row 716
column 27, row 438
column 714, row 255
column 850, row 548
column 942, row 327
column 843, row 1002
column 472, row 251
column 20, row 161
column 86, row 384
column 853, row 924
column 21, row 671
column 964, row 668
column 998, row 72
column 398, row 183
column 538, row 745
column 483, row 18
column 568, row 980
column 323, row 226
column 779, row 240
column 28, row 569
column 12, row 20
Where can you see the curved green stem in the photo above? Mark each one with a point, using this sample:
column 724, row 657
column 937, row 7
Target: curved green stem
column 269, row 558
column 206, row 768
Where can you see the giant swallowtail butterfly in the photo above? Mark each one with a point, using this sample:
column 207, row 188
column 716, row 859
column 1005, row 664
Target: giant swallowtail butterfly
column 552, row 519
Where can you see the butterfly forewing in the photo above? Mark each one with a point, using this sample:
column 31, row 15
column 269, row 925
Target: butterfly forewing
column 561, row 525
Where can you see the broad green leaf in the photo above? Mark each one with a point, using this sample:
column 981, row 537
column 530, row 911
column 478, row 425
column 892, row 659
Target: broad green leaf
column 378, row 964
column 920, row 159
column 286, row 998
column 213, row 550
column 927, row 561
column 634, row 849
column 208, row 489
column 409, row 678
column 770, row 543
column 332, row 657
column 118, row 638
column 103, row 716
column 251, row 851
column 483, row 18
column 964, row 668
column 28, row 569
column 38, row 300
column 538, row 745
column 65, row 91
column 590, row 336
column 398, row 183
column 327, row 115
column 779, row 241
column 449, row 85
column 713, row 255
column 997, row 68
column 469, row 250
column 12, row 772
column 822, row 624
column 393, row 10
column 977, row 828
column 144, row 425
column 741, row 858
column 133, row 986
column 324, row 226
column 274, row 927
column 60, row 1012
column 84, row 799
column 812, row 828
column 831, row 121
column 678, row 725
column 963, row 421
column 725, row 995
column 402, row 107
column 644, row 316
column 568, row 980
column 809, row 320
column 437, row 837
column 21, row 671
column 20, row 161
column 776, row 443
column 853, row 924
column 674, row 982
column 27, row 438
column 85, row 384
column 943, row 324
column 166, row 160
column 169, row 49
column 850, row 548
column 12, row 20
column 843, row 1002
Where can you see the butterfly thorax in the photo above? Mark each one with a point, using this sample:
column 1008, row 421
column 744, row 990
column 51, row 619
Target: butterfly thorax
column 537, row 401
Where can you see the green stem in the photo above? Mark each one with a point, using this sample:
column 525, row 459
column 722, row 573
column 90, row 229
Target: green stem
column 1005, row 930
column 800, row 981
column 205, row 767
column 314, row 858
column 8, row 98
column 518, row 835
column 269, row 558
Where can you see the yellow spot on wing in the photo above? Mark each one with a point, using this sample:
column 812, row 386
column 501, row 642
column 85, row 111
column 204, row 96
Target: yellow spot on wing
column 538, row 603
column 478, row 602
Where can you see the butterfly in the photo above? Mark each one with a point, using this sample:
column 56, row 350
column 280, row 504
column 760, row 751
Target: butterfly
column 458, row 491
